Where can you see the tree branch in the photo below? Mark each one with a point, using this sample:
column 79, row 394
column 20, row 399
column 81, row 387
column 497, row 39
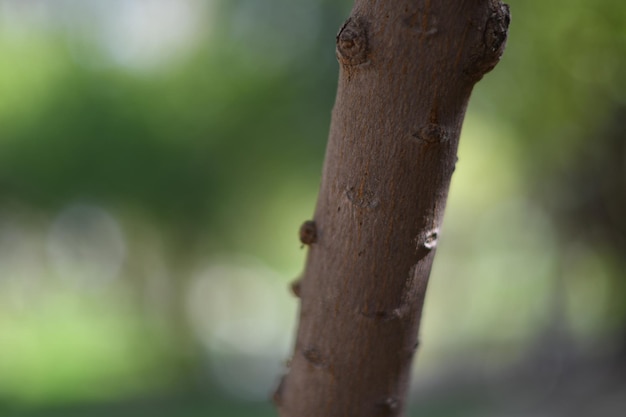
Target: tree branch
column 407, row 69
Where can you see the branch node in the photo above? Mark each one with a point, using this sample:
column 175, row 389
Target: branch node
column 314, row 357
column 296, row 287
column 352, row 43
column 488, row 54
column 432, row 133
column 379, row 315
column 414, row 348
column 308, row 232
column 362, row 198
column 277, row 397
column 388, row 405
column 427, row 241
column 401, row 312
column 431, row 239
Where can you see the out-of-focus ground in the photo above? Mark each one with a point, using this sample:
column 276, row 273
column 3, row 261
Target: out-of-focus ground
column 158, row 156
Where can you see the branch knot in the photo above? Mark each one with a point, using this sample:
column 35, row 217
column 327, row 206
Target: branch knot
column 493, row 42
column 352, row 43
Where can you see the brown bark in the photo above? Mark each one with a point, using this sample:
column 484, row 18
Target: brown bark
column 407, row 68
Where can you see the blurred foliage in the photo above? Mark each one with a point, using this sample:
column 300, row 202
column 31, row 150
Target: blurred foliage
column 157, row 158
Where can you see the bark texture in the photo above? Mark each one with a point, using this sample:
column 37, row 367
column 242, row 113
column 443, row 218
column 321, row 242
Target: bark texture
column 407, row 68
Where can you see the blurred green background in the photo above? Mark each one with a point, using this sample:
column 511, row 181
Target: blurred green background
column 158, row 156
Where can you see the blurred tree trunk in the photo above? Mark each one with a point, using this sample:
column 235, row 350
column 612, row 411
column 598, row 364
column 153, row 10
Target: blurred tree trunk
column 407, row 68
